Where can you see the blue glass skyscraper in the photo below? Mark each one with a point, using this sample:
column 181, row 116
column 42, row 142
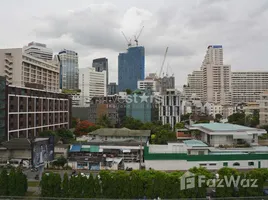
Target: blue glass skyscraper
column 131, row 68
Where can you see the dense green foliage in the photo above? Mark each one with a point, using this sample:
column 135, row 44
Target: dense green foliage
column 104, row 121
column 65, row 135
column 251, row 120
column 150, row 184
column 13, row 184
column 160, row 134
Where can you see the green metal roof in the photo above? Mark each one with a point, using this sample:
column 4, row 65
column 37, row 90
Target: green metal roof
column 194, row 143
column 85, row 149
column 223, row 127
column 94, row 148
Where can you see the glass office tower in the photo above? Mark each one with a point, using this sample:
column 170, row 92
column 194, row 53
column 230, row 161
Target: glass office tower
column 131, row 68
column 69, row 73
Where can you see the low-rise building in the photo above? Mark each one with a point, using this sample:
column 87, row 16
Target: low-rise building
column 220, row 134
column 106, row 155
column 195, row 153
column 117, row 135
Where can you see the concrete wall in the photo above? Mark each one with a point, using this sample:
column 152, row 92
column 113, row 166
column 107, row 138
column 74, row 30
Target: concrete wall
column 212, row 165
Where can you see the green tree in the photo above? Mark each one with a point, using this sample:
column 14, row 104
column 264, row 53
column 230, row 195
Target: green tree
column 75, row 121
column 12, row 183
column 128, row 91
column 237, row 118
column 104, row 121
column 65, row 186
column 179, row 125
column 218, row 117
column 132, row 123
column 65, row 135
column 4, row 183
column 60, row 162
column 227, row 190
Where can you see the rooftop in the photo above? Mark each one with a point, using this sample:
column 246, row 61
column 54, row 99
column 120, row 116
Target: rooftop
column 194, row 143
column 223, row 127
column 120, row 132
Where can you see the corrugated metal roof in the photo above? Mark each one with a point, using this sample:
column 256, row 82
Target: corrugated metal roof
column 75, row 148
column 94, row 148
column 120, row 132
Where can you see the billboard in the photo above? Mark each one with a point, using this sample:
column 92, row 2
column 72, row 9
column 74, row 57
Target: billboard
column 42, row 151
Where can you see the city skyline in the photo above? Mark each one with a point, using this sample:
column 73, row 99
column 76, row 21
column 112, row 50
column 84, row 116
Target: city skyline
column 221, row 23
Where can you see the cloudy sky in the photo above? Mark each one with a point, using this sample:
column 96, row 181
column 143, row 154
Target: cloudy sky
column 187, row 27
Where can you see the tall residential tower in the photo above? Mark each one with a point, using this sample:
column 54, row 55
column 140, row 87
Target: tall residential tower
column 101, row 64
column 39, row 50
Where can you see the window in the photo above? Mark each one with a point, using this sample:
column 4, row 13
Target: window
column 212, row 164
column 225, row 164
column 250, row 163
column 201, row 152
column 202, row 164
column 236, row 164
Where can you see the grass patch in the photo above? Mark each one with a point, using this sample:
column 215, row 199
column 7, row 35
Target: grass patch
column 33, row 183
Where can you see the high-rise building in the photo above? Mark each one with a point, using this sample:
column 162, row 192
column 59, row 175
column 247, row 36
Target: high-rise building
column 3, row 108
column 247, row 86
column 217, row 84
column 69, row 72
column 91, row 84
column 216, row 77
column 169, row 108
column 112, row 88
column 166, row 82
column 21, row 69
column 194, row 85
column 150, row 83
column 39, row 50
column 101, row 64
column 131, row 68
column 213, row 56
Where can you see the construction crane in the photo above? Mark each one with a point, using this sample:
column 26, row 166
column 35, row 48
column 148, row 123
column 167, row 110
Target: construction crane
column 128, row 41
column 161, row 69
column 137, row 37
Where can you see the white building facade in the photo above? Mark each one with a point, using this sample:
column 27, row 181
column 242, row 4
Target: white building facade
column 194, row 85
column 170, row 107
column 152, row 84
column 39, row 50
column 247, row 86
column 20, row 68
column 91, row 84
column 263, row 106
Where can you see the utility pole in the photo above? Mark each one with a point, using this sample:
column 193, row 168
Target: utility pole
column 140, row 150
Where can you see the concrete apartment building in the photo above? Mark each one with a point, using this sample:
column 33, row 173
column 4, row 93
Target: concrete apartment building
column 247, row 86
column 194, row 85
column 20, row 68
column 170, row 107
column 31, row 111
column 39, row 50
column 263, row 106
column 149, row 83
column 91, row 84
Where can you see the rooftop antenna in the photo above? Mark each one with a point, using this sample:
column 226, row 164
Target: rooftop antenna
column 128, row 41
column 137, row 37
